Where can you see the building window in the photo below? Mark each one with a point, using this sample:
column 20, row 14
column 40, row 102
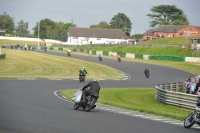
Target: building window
column 75, row 37
column 98, row 38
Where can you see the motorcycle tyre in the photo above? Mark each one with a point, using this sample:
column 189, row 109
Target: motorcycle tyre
column 193, row 121
column 90, row 106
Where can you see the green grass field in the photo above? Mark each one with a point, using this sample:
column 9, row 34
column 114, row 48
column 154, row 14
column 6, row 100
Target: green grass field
column 172, row 51
column 138, row 99
column 171, row 40
column 14, row 42
column 28, row 64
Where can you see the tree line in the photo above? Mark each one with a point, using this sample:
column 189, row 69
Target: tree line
column 48, row 29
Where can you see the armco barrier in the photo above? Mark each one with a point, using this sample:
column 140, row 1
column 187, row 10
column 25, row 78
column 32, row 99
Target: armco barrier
column 81, row 50
column 60, row 49
column 171, row 58
column 93, row 52
column 176, row 98
column 2, row 56
column 138, row 56
column 106, row 53
column 121, row 54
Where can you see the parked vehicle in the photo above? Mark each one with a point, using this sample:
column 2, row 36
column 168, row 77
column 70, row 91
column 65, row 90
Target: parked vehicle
column 193, row 118
column 89, row 102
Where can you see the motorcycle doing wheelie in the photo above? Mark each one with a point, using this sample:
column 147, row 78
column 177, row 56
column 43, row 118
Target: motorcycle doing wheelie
column 193, row 118
column 89, row 102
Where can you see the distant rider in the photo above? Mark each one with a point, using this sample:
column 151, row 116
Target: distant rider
column 69, row 51
column 82, row 72
column 146, row 71
column 99, row 56
column 94, row 87
column 118, row 57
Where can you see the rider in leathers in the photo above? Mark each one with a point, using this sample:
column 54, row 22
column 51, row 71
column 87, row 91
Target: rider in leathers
column 146, row 71
column 94, row 88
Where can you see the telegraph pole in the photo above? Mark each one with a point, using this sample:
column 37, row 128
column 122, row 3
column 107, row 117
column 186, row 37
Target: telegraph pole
column 38, row 32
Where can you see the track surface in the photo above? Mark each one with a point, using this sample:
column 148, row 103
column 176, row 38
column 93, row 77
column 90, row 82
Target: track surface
column 31, row 106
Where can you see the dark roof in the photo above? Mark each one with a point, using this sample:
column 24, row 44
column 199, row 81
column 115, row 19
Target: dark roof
column 97, row 33
column 170, row 28
column 149, row 32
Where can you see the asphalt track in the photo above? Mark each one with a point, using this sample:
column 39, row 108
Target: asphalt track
column 30, row 106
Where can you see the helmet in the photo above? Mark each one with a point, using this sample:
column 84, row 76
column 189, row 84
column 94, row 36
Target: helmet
column 83, row 67
column 96, row 79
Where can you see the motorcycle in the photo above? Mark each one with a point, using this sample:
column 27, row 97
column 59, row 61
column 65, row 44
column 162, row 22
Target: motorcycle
column 193, row 118
column 119, row 59
column 89, row 102
column 100, row 58
column 81, row 78
column 32, row 48
column 68, row 53
column 147, row 75
column 45, row 49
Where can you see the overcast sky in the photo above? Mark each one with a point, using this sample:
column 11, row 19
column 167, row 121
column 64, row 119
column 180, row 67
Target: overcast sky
column 88, row 12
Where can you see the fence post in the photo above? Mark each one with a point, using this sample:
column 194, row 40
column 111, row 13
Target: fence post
column 177, row 87
column 170, row 88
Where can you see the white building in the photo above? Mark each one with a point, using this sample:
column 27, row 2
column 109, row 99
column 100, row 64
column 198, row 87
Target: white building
column 83, row 36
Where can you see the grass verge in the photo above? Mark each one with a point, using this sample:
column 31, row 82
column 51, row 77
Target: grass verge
column 28, row 64
column 165, row 51
column 14, row 42
column 190, row 67
column 138, row 99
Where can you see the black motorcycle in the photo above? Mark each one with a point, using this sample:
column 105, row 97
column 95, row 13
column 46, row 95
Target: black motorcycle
column 147, row 75
column 89, row 102
column 193, row 118
column 100, row 58
column 82, row 78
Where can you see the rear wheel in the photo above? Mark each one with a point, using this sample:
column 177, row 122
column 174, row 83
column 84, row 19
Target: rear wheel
column 189, row 121
column 90, row 104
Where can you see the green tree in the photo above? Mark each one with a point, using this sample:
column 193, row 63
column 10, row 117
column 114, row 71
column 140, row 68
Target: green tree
column 49, row 29
column 121, row 21
column 7, row 23
column 22, row 29
column 179, row 22
column 46, row 28
column 65, row 30
column 102, row 24
column 61, row 31
column 136, row 36
column 167, row 15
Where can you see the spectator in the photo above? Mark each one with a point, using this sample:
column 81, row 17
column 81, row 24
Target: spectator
column 197, row 86
column 192, row 85
column 187, row 85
